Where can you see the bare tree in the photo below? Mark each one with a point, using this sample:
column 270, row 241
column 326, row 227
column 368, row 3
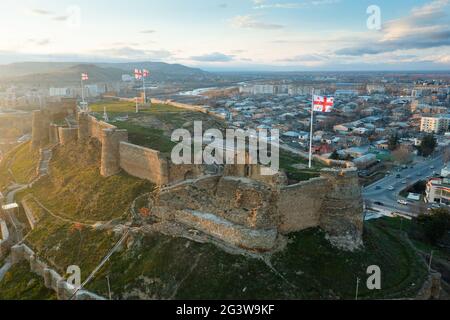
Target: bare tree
column 419, row 208
column 446, row 154
column 403, row 154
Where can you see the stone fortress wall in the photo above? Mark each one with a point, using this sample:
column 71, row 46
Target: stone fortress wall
column 52, row 279
column 238, row 206
column 189, row 107
column 5, row 241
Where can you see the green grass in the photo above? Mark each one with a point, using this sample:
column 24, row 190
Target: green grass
column 160, row 267
column 152, row 126
column 62, row 244
column 415, row 233
column 288, row 160
column 23, row 164
column 75, row 188
column 20, row 284
column 123, row 107
column 147, row 137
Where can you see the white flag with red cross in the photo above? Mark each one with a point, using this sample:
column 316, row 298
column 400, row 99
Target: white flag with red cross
column 138, row 74
column 84, row 77
column 145, row 73
column 323, row 104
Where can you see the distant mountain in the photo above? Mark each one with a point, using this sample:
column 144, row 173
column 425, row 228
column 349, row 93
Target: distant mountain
column 156, row 68
column 48, row 73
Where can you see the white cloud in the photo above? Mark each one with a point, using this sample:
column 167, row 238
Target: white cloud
column 213, row 57
column 250, row 22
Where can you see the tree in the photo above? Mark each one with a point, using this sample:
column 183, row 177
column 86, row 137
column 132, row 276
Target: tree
column 393, row 142
column 436, row 225
column 428, row 145
column 403, row 155
column 446, row 155
column 419, row 208
column 334, row 155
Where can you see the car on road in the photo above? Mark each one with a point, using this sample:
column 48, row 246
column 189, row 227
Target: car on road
column 378, row 203
column 402, row 202
column 391, row 188
column 398, row 176
column 404, row 182
column 432, row 167
column 378, row 188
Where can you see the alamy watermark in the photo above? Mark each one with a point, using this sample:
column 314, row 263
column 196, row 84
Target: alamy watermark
column 239, row 147
column 74, row 276
column 374, row 20
column 73, row 17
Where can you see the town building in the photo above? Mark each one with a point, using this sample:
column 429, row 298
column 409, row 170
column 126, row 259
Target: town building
column 438, row 191
column 438, row 124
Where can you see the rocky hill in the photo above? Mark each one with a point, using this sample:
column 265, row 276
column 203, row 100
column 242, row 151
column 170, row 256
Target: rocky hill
column 154, row 264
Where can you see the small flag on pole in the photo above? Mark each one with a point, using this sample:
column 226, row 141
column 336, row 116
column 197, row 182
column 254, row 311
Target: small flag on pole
column 145, row 73
column 84, row 77
column 323, row 104
column 138, row 74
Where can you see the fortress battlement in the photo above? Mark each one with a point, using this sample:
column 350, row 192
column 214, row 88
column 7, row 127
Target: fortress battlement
column 236, row 205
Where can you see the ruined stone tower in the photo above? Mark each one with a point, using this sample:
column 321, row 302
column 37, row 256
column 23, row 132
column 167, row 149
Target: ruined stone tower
column 342, row 208
column 83, row 127
column 111, row 139
column 40, row 129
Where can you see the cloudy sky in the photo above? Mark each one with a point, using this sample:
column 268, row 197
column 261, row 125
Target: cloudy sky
column 231, row 34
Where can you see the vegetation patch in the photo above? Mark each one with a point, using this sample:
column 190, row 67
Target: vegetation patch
column 76, row 190
column 19, row 165
column 152, row 127
column 289, row 163
column 160, row 267
column 21, row 284
column 63, row 244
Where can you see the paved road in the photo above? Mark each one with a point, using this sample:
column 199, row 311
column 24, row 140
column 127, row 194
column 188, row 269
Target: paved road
column 379, row 191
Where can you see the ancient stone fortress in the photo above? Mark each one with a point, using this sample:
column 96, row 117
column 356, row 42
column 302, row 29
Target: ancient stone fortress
column 236, row 205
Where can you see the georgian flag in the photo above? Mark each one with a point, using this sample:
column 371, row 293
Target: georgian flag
column 138, row 74
column 323, row 104
column 145, row 73
column 84, row 77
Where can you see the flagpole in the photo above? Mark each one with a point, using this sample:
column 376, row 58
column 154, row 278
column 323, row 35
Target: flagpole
column 311, row 132
column 143, row 87
column 82, row 90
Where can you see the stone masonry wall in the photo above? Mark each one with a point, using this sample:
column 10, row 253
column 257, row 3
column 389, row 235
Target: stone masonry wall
column 144, row 163
column 51, row 278
column 40, row 129
column 342, row 209
column 299, row 205
column 95, row 127
column 67, row 135
column 110, row 162
column 53, row 134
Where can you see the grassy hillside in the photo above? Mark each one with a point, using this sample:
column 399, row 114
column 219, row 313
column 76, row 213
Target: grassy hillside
column 62, row 244
column 77, row 196
column 22, row 162
column 29, row 286
column 160, row 267
column 76, row 190
column 155, row 266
